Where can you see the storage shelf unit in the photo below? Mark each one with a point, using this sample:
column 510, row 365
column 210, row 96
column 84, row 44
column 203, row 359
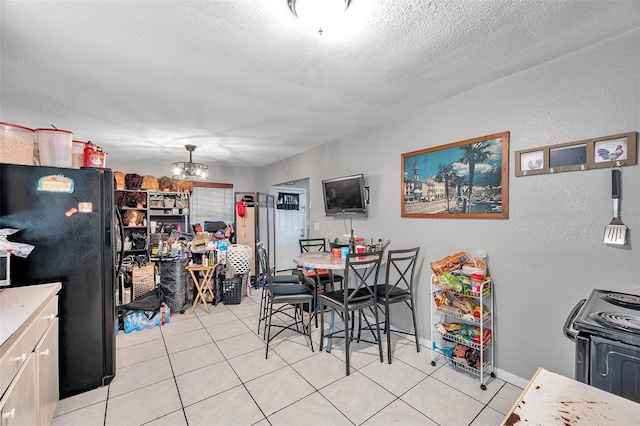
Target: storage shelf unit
column 168, row 211
column 142, row 246
column 257, row 224
column 445, row 342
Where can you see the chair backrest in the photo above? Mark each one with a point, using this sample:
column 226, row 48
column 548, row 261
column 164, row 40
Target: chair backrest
column 312, row 244
column 359, row 269
column 401, row 265
column 263, row 263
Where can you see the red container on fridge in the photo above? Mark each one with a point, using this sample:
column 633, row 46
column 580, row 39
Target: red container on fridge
column 94, row 156
column 89, row 149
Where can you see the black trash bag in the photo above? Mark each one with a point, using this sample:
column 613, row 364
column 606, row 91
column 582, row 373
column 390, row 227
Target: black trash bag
column 149, row 303
column 176, row 288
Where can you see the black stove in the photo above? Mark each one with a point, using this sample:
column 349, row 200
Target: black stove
column 611, row 315
column 606, row 330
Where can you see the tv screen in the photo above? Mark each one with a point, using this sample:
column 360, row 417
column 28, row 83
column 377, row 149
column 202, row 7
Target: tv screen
column 345, row 195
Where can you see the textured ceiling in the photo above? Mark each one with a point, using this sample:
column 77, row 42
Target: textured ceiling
column 248, row 84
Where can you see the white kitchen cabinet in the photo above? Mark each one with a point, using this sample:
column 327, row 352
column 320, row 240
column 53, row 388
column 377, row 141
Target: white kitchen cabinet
column 46, row 354
column 29, row 382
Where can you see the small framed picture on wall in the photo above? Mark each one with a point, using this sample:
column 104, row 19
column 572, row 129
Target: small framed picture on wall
column 611, row 150
column 532, row 162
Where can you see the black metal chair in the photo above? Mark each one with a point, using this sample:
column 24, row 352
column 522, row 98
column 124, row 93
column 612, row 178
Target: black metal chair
column 275, row 280
column 398, row 287
column 308, row 245
column 356, row 296
column 287, row 296
column 323, row 280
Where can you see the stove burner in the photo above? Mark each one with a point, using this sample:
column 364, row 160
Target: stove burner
column 623, row 322
column 625, row 300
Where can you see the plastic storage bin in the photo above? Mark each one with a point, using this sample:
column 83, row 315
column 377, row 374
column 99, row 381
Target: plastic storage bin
column 16, row 144
column 234, row 289
column 77, row 154
column 55, row 147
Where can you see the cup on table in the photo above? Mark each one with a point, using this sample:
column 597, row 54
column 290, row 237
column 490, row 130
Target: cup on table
column 344, row 251
column 360, row 249
column 335, row 252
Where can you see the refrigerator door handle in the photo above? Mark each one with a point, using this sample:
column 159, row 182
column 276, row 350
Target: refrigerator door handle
column 121, row 248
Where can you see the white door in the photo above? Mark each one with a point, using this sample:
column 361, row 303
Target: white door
column 291, row 224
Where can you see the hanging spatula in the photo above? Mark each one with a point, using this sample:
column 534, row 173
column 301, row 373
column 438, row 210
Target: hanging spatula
column 616, row 231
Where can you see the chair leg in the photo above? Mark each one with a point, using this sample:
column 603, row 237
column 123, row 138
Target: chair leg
column 261, row 310
column 387, row 326
column 375, row 312
column 330, row 338
column 295, row 317
column 308, row 326
column 415, row 327
column 315, row 300
column 346, row 347
column 321, row 323
column 268, row 328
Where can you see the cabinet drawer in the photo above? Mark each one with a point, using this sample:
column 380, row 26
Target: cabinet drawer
column 19, row 404
column 46, row 317
column 16, row 356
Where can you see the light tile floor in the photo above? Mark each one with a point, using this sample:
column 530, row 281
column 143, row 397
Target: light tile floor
column 210, row 369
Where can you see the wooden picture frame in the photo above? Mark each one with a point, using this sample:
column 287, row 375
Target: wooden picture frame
column 597, row 153
column 532, row 162
column 436, row 181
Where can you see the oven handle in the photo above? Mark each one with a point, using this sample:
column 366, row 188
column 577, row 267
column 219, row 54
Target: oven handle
column 568, row 329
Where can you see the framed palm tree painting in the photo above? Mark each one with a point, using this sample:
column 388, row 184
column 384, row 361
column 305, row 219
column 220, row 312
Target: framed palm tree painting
column 466, row 179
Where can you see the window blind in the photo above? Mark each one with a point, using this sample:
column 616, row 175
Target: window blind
column 212, row 204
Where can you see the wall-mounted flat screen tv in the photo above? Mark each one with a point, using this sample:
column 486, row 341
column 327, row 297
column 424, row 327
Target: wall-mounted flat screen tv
column 345, row 196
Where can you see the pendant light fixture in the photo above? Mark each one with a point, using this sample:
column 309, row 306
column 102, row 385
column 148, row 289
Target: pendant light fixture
column 190, row 170
column 318, row 13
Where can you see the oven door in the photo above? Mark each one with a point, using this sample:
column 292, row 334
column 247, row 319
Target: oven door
column 615, row 367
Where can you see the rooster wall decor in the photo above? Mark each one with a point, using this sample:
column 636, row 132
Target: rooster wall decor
column 607, row 155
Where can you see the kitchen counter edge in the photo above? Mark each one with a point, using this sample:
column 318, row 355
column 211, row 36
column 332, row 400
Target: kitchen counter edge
column 19, row 306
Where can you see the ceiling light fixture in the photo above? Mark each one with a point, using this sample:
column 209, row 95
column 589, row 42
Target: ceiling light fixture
column 318, row 13
column 190, row 170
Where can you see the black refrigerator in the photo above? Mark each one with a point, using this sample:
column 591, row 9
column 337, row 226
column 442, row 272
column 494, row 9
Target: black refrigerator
column 68, row 215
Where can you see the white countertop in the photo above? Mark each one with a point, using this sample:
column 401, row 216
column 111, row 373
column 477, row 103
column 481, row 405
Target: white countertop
column 320, row 260
column 551, row 399
column 19, row 306
column 324, row 260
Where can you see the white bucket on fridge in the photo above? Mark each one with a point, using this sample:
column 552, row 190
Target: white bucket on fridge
column 55, row 147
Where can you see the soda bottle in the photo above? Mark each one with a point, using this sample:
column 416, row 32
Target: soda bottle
column 352, row 243
column 163, row 314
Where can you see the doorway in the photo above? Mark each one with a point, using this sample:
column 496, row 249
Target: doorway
column 291, row 223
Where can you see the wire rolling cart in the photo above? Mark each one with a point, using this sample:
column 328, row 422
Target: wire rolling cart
column 453, row 327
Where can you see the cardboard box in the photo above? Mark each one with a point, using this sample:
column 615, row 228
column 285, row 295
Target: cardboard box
column 198, row 243
column 203, row 236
